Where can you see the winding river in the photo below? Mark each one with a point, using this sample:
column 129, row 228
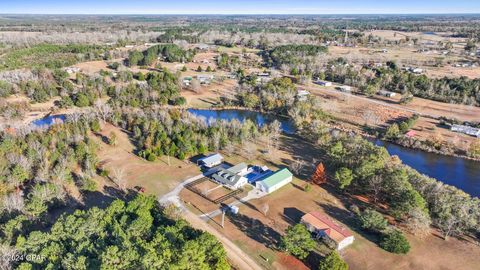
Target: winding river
column 461, row 173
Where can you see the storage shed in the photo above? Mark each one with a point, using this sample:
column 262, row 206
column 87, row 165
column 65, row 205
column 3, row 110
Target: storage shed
column 275, row 181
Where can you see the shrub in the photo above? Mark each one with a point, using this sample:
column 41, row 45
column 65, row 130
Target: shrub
column 95, row 126
column 333, row 261
column 373, row 220
column 151, row 157
column 393, row 132
column 89, row 185
column 297, row 241
column 394, row 241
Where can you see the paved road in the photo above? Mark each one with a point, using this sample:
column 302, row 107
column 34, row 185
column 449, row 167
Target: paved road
column 237, row 257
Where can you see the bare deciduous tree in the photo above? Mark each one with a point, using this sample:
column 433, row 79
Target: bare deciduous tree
column 265, row 208
column 102, row 110
column 418, row 222
column 229, row 149
column 195, row 86
column 6, row 254
column 13, row 202
column 296, row 166
column 249, row 150
column 119, row 178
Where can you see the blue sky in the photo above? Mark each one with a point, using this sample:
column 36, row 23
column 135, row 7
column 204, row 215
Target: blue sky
column 238, row 7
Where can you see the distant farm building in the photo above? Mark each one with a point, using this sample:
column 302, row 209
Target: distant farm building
column 323, row 83
column 415, row 70
column 203, row 47
column 205, row 79
column 466, row 130
column 302, row 95
column 275, row 181
column 263, row 77
column 345, row 88
column 386, row 93
column 211, row 161
column 322, row 226
column 232, row 178
column 187, row 81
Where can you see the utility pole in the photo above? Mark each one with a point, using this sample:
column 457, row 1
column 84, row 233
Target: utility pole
column 223, row 218
column 346, row 35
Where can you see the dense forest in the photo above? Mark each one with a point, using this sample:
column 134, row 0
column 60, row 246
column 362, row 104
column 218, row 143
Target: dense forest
column 292, row 54
column 133, row 235
column 360, row 167
column 169, row 53
column 176, row 133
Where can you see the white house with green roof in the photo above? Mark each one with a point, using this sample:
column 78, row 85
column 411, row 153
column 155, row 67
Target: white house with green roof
column 275, row 181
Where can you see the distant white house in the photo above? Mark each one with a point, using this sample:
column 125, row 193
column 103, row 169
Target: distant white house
column 187, row 81
column 233, row 177
column 205, row 79
column 275, row 181
column 211, row 161
column 345, row 88
column 414, row 70
column 386, row 93
column 466, row 130
column 322, row 226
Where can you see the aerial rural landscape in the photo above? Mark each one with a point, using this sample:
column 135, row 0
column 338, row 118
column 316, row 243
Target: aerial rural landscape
column 274, row 135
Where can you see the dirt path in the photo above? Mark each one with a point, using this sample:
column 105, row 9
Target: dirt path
column 239, row 258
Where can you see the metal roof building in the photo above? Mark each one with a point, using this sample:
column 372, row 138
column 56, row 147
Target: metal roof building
column 211, row 161
column 275, row 181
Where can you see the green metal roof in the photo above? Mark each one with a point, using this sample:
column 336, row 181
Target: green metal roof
column 277, row 177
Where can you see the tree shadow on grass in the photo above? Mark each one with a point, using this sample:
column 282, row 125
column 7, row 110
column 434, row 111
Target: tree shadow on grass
column 256, row 230
column 292, row 215
column 90, row 199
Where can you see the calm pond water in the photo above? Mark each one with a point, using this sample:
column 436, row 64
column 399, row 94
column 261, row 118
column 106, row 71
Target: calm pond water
column 49, row 120
column 242, row 115
column 461, row 173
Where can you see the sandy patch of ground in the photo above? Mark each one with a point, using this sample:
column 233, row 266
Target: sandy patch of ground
column 450, row 71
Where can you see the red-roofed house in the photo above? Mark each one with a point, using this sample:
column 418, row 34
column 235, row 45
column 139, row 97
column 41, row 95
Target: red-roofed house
column 411, row 134
column 322, row 225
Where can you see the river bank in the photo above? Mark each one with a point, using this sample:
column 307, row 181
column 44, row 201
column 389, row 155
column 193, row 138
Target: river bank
column 456, row 171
